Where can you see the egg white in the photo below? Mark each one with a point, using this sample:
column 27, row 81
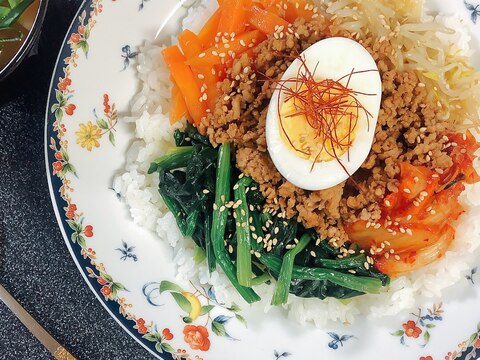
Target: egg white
column 333, row 58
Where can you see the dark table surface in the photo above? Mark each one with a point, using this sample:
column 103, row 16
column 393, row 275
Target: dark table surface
column 35, row 265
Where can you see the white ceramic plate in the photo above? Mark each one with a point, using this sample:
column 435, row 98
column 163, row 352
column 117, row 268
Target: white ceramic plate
column 124, row 265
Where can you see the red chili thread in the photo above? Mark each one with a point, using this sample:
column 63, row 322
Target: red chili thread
column 323, row 104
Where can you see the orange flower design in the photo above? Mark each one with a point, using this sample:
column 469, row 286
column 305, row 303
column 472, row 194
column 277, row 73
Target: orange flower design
column 411, row 329
column 426, row 358
column 197, row 337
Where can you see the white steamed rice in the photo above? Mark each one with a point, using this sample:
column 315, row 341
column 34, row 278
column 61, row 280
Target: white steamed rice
column 153, row 136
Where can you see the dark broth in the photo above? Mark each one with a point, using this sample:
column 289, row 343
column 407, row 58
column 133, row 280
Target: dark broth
column 23, row 24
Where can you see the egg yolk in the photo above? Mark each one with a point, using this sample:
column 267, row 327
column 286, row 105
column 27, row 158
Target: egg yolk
column 318, row 139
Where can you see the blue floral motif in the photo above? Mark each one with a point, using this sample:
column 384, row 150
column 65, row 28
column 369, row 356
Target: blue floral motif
column 127, row 56
column 279, row 355
column 142, row 4
column 474, row 9
column 127, row 252
column 471, row 276
column 337, row 339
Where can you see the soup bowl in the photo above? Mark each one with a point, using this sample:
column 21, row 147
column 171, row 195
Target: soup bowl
column 28, row 42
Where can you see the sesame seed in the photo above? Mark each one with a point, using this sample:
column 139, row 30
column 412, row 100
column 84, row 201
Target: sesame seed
column 205, row 191
column 367, row 265
column 313, row 253
column 351, row 271
column 407, row 191
column 416, row 179
column 409, row 232
column 402, row 230
column 416, row 203
column 257, row 254
column 424, row 193
column 387, row 255
column 387, row 203
column 397, row 257
column 215, row 206
column 409, row 217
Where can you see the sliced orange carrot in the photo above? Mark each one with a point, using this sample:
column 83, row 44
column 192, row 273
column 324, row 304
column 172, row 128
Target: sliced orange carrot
column 187, row 83
column 184, row 77
column 265, row 21
column 208, row 79
column 190, row 44
column 179, row 108
column 172, row 55
column 210, row 29
column 224, row 52
column 234, row 17
column 299, row 9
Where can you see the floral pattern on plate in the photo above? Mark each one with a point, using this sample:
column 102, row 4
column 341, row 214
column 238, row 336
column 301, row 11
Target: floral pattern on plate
column 194, row 327
column 421, row 325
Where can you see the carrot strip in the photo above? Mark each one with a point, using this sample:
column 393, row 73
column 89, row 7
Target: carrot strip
column 209, row 80
column 234, row 17
column 265, row 21
column 179, row 108
column 299, row 9
column 172, row 55
column 187, row 83
column 222, row 54
column 190, row 44
column 210, row 29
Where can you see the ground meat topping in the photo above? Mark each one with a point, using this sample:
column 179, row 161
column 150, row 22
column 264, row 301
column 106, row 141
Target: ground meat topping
column 408, row 129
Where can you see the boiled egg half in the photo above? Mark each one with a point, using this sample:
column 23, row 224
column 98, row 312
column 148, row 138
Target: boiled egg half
column 323, row 113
